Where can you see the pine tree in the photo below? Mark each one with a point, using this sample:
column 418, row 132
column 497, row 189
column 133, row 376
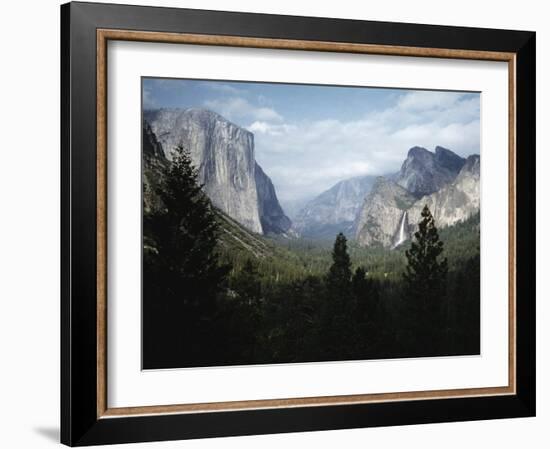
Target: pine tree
column 182, row 274
column 425, row 283
column 366, row 311
column 185, row 232
column 339, row 275
column 338, row 333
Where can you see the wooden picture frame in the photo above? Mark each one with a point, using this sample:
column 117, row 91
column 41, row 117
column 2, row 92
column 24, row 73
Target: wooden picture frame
column 86, row 418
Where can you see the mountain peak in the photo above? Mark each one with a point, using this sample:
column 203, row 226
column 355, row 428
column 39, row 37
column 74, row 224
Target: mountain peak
column 472, row 164
column 424, row 172
column 202, row 116
column 446, row 182
column 334, row 210
column 448, row 159
column 417, row 151
column 384, row 184
column 381, row 180
column 439, row 149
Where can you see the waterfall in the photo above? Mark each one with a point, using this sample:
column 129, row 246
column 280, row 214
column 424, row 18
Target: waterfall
column 402, row 233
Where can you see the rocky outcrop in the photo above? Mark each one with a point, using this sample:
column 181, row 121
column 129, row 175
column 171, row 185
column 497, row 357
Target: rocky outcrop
column 390, row 214
column 334, row 210
column 382, row 212
column 272, row 217
column 224, row 156
column 455, row 202
column 151, row 145
column 155, row 165
column 424, row 172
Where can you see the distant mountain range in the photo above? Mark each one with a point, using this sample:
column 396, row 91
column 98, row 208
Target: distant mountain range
column 374, row 210
column 384, row 210
column 334, row 210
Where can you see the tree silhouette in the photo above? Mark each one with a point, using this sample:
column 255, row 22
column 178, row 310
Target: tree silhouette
column 339, row 274
column 425, row 284
column 337, row 333
column 295, row 304
column 182, row 275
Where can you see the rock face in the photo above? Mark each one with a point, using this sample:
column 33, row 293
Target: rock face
column 424, row 172
column 272, row 217
column 224, row 156
column 154, row 167
column 151, row 146
column 334, row 210
column 455, row 202
column 382, row 213
column 392, row 210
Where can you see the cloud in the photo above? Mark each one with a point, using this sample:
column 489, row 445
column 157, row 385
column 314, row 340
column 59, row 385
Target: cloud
column 305, row 155
column 240, row 110
column 303, row 159
column 426, row 100
column 223, row 88
column 148, row 99
column 271, row 128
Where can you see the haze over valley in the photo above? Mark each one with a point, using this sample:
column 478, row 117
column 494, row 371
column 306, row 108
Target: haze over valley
column 374, row 210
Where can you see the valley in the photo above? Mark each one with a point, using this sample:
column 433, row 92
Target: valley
column 235, row 281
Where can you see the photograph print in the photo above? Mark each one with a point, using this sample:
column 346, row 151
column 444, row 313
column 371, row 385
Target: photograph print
column 293, row 223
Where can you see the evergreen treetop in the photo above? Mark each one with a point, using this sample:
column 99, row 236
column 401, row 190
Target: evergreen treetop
column 339, row 275
column 185, row 232
column 425, row 273
column 425, row 287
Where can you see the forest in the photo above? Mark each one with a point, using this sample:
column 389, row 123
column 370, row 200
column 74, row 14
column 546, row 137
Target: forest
column 215, row 294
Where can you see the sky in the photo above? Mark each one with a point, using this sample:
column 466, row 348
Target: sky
column 308, row 137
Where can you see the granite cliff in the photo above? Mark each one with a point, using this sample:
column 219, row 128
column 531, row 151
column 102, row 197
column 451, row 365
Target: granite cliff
column 224, row 156
column 384, row 207
column 424, row 172
column 456, row 201
column 445, row 182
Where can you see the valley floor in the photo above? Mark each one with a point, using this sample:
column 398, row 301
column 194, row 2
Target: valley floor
column 280, row 306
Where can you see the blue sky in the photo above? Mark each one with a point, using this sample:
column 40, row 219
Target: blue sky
column 307, row 137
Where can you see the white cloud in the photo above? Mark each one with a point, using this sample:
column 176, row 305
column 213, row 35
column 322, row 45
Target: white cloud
column 223, row 88
column 306, row 157
column 271, row 128
column 426, row 100
column 241, row 110
column 303, row 159
column 148, row 99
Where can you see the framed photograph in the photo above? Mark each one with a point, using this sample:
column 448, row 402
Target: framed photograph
column 282, row 224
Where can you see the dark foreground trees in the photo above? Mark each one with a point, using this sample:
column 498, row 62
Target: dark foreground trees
column 351, row 308
column 425, row 289
column 197, row 312
column 182, row 274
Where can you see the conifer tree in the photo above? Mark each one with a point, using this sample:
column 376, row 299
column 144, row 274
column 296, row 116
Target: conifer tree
column 182, row 274
column 339, row 275
column 365, row 290
column 425, row 281
column 338, row 332
column 185, row 231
